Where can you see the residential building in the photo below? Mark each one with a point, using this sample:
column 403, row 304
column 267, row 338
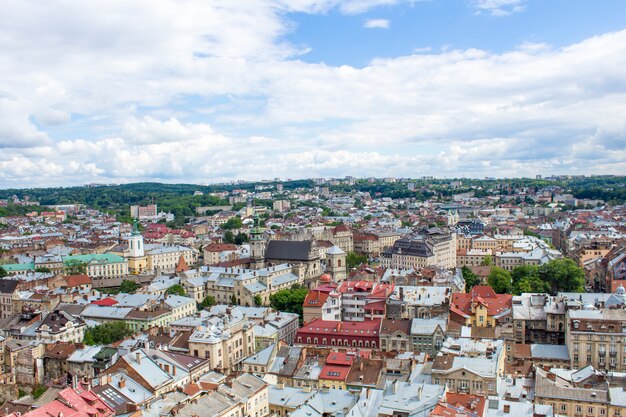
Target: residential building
column 362, row 334
column 596, row 337
column 433, row 247
column 538, row 318
column 472, row 366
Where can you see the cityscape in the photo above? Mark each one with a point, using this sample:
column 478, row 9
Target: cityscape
column 313, row 208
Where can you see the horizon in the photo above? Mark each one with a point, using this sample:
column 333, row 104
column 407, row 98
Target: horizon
column 206, row 93
column 554, row 177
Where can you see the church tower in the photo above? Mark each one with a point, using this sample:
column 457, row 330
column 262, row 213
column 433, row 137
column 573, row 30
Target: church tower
column 257, row 245
column 136, row 257
column 336, row 264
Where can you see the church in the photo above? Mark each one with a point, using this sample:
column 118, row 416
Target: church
column 306, row 258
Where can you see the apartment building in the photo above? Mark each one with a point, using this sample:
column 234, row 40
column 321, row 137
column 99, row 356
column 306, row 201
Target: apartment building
column 597, row 337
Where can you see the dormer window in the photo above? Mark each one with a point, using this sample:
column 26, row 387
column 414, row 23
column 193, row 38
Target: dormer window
column 576, row 324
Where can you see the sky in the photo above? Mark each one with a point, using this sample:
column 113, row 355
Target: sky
column 205, row 91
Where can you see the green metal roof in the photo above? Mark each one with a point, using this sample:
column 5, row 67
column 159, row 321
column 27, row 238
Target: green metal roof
column 94, row 257
column 19, row 267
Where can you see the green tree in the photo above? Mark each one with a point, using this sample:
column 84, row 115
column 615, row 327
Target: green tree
column 500, row 280
column 289, row 300
column 563, row 275
column 354, row 260
column 107, row 333
column 471, row 278
column 43, row 269
column 129, row 287
column 75, row 267
column 241, row 238
column 229, row 237
column 176, row 289
column 3, row 272
column 38, row 391
column 233, row 300
column 258, row 301
column 208, row 301
column 487, row 261
column 232, row 223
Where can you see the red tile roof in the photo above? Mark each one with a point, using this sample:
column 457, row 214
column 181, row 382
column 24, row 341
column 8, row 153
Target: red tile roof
column 77, row 280
column 483, row 294
column 315, row 299
column 71, row 402
column 105, row 302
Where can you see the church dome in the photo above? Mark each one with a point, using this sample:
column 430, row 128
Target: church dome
column 326, row 278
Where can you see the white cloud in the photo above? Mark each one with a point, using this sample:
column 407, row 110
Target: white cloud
column 194, row 92
column 499, row 7
column 376, row 24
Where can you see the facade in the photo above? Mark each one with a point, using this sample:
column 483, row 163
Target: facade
column 362, row 334
column 59, row 326
column 470, row 366
column 481, row 308
column 539, row 318
column 597, row 337
column 7, row 291
column 240, row 286
column 224, row 341
column 434, row 247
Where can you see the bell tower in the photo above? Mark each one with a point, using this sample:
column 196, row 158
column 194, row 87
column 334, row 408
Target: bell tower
column 257, row 245
column 136, row 256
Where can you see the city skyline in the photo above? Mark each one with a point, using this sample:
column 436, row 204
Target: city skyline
column 202, row 93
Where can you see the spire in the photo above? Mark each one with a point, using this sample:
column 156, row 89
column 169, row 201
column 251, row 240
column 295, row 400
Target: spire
column 182, row 265
column 257, row 231
column 135, row 227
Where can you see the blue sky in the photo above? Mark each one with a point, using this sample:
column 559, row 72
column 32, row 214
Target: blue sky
column 211, row 91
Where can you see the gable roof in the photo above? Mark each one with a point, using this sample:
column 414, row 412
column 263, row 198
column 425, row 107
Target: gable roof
column 8, row 286
column 289, row 250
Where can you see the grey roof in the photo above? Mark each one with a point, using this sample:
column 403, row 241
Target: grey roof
column 289, row 397
column 427, row 326
column 261, row 358
column 289, row 250
column 8, row 286
column 540, row 351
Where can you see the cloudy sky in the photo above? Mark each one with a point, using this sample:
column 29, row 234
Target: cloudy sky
column 212, row 90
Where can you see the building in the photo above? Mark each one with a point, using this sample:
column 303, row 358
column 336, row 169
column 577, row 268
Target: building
column 582, row 392
column 246, row 287
column 597, row 337
column 470, row 366
column 481, row 308
column 427, row 335
column 59, row 326
column 361, row 334
column 538, row 318
column 7, row 291
column 433, row 247
column 148, row 212
column 224, row 341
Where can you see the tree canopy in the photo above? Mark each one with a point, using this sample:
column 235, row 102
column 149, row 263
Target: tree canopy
column 3, row 272
column 208, row 301
column 232, row 223
column 107, row 333
column 289, row 300
column 500, row 280
column 129, row 287
column 176, row 289
column 470, row 277
column 74, row 267
column 354, row 260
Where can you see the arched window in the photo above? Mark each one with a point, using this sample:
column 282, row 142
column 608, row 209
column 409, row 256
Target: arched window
column 339, row 262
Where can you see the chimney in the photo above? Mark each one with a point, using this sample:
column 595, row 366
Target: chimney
column 507, row 408
column 138, row 357
column 121, row 383
column 174, row 370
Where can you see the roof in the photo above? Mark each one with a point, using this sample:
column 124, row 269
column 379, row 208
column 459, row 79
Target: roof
column 95, row 258
column 495, row 303
column 289, row 250
column 73, row 403
column 391, row 326
column 77, row 280
column 8, row 286
column 315, row 299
